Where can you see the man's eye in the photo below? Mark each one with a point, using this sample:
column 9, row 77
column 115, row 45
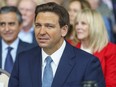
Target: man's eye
column 37, row 25
column 49, row 26
column 12, row 23
column 2, row 24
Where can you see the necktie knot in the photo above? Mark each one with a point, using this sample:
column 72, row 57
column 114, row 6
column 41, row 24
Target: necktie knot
column 9, row 49
column 48, row 60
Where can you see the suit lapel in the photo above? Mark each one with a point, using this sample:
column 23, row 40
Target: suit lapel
column 35, row 68
column 34, row 40
column 65, row 67
column 22, row 46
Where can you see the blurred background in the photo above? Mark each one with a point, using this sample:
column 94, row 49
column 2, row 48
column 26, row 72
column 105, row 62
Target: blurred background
column 106, row 7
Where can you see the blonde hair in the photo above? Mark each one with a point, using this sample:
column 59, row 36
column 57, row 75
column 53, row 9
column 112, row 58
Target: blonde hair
column 98, row 37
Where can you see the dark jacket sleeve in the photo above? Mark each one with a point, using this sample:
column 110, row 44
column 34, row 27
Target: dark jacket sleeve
column 94, row 72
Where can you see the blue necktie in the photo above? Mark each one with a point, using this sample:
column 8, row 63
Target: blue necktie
column 9, row 61
column 48, row 73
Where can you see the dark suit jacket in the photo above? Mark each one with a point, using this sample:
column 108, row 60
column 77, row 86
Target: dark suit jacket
column 74, row 67
column 22, row 46
column 34, row 39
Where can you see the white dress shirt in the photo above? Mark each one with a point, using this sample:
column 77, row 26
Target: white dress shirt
column 56, row 56
column 14, row 45
column 26, row 36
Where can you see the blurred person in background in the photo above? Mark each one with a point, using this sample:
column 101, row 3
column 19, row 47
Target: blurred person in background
column 107, row 15
column 10, row 26
column 114, row 10
column 114, row 7
column 2, row 3
column 27, row 8
column 74, row 7
column 91, row 36
column 56, row 1
column 38, row 2
column 63, row 3
column 12, row 2
column 108, row 3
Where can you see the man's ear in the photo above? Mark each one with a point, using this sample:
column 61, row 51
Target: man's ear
column 64, row 30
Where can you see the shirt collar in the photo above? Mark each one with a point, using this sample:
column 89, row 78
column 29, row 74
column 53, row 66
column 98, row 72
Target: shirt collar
column 14, row 45
column 30, row 30
column 56, row 56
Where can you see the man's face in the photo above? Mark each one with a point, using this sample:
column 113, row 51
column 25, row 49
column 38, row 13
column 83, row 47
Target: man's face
column 9, row 27
column 27, row 9
column 48, row 32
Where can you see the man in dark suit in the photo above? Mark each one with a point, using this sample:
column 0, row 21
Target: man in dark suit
column 56, row 63
column 10, row 25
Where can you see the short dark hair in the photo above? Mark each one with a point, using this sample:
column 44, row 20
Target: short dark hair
column 7, row 9
column 55, row 8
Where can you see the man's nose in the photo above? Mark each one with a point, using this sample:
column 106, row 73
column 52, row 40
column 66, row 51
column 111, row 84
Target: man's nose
column 7, row 27
column 42, row 30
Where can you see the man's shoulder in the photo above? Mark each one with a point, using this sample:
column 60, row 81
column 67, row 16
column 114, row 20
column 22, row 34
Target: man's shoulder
column 81, row 55
column 32, row 51
column 23, row 43
column 26, row 45
column 28, row 55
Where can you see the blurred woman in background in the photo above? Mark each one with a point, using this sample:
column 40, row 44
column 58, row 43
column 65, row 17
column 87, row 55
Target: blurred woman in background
column 91, row 36
column 73, row 8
